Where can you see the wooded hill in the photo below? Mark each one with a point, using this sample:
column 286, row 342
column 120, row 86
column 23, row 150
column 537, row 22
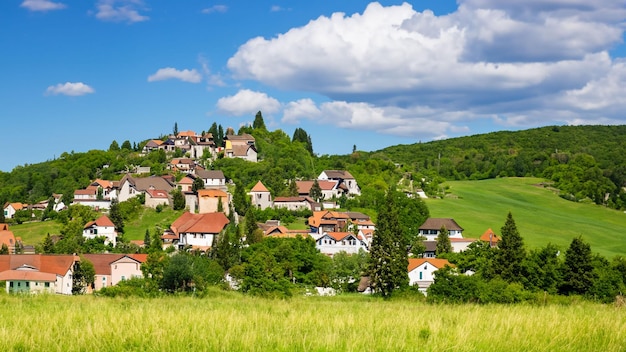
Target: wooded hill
column 584, row 162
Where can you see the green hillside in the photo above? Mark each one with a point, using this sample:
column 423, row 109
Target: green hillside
column 540, row 214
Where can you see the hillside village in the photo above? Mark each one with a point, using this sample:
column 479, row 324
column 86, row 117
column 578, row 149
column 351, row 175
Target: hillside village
column 207, row 197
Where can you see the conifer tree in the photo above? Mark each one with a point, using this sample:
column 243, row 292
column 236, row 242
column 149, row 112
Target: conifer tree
column 388, row 255
column 443, row 242
column 240, row 199
column 115, row 214
column 316, row 191
column 258, row 122
column 146, row 239
column 510, row 253
column 293, row 189
column 577, row 270
column 252, row 236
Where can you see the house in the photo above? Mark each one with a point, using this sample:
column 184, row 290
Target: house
column 461, row 244
column 431, row 227
column 182, row 165
column 330, row 188
column 261, row 196
column 422, row 271
column 156, row 197
column 89, row 197
column 296, row 203
column 212, row 178
column 108, row 189
column 11, row 208
column 209, row 201
column 331, row 243
column 201, row 145
column 112, row 268
column 101, row 227
column 198, row 230
column 186, row 184
column 151, row 145
column 240, row 146
column 131, row 187
column 7, row 238
column 490, row 237
column 37, row 273
column 336, row 221
column 344, row 179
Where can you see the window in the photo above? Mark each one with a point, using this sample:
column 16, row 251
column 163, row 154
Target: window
column 123, row 277
column 47, row 284
column 420, row 275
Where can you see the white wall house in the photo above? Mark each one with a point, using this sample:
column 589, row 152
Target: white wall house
column 422, row 271
column 198, row 230
column 432, row 226
column 37, row 273
column 331, row 243
column 261, row 196
column 101, row 227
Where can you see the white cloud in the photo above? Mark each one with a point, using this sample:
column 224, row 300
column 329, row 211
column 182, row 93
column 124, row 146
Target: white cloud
column 69, row 88
column 191, row 76
column 42, row 5
column 515, row 63
column 248, row 102
column 215, row 8
column 120, row 11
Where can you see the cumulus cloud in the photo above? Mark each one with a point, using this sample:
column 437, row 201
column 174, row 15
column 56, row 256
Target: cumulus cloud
column 191, row 76
column 248, row 102
column 70, row 88
column 42, row 5
column 514, row 63
column 120, row 11
column 215, row 8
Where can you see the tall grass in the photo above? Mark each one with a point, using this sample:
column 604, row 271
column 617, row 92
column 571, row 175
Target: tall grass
column 231, row 322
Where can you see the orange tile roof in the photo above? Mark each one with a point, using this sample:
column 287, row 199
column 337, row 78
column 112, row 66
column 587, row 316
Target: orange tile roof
column 27, row 275
column 101, row 221
column 214, row 193
column 340, row 236
column 199, row 223
column 189, row 133
column 7, row 237
column 48, row 263
column 489, row 236
column 436, row 262
column 259, row 187
column 103, row 183
column 157, row 193
column 186, row 181
column 305, row 186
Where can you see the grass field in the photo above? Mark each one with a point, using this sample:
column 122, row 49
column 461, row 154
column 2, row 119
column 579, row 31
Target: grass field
column 227, row 321
column 34, row 232
column 540, row 214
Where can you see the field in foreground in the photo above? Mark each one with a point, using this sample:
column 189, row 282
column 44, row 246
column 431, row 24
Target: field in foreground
column 230, row 322
column 540, row 214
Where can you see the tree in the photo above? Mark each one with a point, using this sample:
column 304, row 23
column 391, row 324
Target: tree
column 443, row 242
column 178, row 199
column 47, row 246
column 2, row 217
column 316, row 191
column 126, row 145
column 577, row 270
column 4, row 249
column 258, row 122
column 388, row 255
column 293, row 189
column 227, row 247
column 300, row 135
column 84, row 275
column 240, row 199
column 115, row 214
column 114, row 146
column 251, row 227
column 197, row 184
column 146, row 239
column 511, row 253
column 175, row 130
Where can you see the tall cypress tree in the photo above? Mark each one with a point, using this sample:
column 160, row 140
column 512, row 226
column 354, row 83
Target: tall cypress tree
column 443, row 242
column 258, row 122
column 510, row 253
column 388, row 255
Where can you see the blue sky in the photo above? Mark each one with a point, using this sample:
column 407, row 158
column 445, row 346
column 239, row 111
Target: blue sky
column 77, row 74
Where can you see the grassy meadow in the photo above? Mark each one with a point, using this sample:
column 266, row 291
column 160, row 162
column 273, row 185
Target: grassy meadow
column 540, row 214
column 228, row 321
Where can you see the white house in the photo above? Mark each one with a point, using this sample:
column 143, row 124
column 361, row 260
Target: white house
column 101, row 227
column 198, row 230
column 344, row 179
column 422, row 271
column 11, row 208
column 331, row 243
column 212, row 178
column 296, row 203
column 261, row 196
column 37, row 273
column 131, row 187
column 432, row 226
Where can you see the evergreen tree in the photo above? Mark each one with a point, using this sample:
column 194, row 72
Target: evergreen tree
column 511, row 253
column 178, row 199
column 2, row 217
column 388, row 256
column 443, row 242
column 146, row 239
column 316, row 191
column 175, row 130
column 220, row 205
column 577, row 271
column 251, row 227
column 227, row 248
column 293, row 189
column 47, row 246
column 240, row 199
column 300, row 135
column 213, row 131
column 126, row 145
column 4, row 249
column 258, row 122
column 114, row 146
column 219, row 140
column 197, row 184
column 115, row 214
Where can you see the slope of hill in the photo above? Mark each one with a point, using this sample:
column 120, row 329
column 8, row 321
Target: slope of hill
column 540, row 214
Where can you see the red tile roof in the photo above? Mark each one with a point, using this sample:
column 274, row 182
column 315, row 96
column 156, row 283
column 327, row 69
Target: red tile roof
column 489, row 236
column 436, row 262
column 259, row 187
column 102, row 221
column 48, row 263
column 199, row 223
column 437, row 223
column 27, row 275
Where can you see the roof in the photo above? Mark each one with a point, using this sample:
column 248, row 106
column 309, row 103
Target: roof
column 16, row 206
column 27, row 275
column 183, row 134
column 489, row 236
column 211, row 174
column 102, row 221
column 304, row 187
column 102, row 183
column 47, row 263
column 6, row 237
column 88, row 191
column 144, row 183
column 102, row 262
column 157, row 193
column 340, row 236
column 436, row 262
column 177, row 161
column 199, row 223
column 242, row 150
column 338, row 174
column 292, row 199
column 259, row 187
column 243, row 137
column 437, row 223
column 186, row 181
column 213, row 193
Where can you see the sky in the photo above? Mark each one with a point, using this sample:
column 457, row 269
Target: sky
column 76, row 75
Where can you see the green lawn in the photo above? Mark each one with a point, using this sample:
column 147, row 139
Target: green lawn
column 540, row 214
column 149, row 219
column 34, row 232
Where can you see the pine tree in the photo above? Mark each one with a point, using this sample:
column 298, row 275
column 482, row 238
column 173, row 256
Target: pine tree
column 115, row 214
column 197, row 184
column 510, row 253
column 251, row 227
column 146, row 239
column 178, row 199
column 388, row 256
column 577, row 270
column 47, row 245
column 293, row 189
column 316, row 191
column 240, row 199
column 175, row 130
column 258, row 122
column 443, row 242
